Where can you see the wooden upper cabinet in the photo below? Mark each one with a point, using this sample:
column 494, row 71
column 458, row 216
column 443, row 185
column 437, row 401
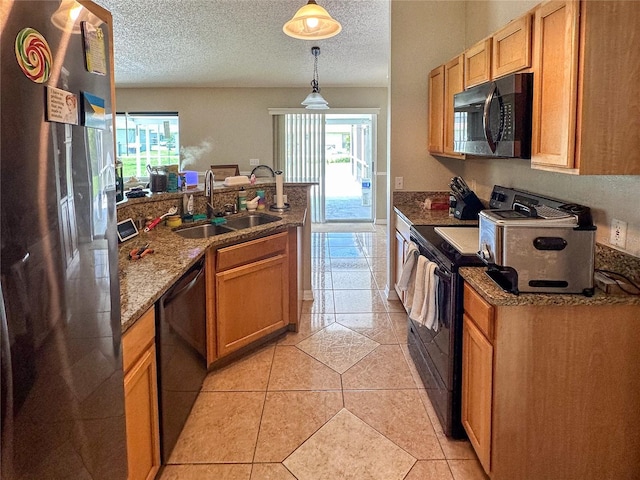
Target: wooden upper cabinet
column 608, row 138
column 477, row 64
column 436, row 110
column 555, row 83
column 453, row 83
column 511, row 47
column 586, row 98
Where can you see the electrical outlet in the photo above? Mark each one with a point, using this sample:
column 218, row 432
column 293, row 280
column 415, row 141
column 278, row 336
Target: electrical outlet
column 399, row 183
column 618, row 233
column 254, row 161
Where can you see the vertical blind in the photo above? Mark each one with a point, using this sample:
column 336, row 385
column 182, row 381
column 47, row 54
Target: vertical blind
column 299, row 148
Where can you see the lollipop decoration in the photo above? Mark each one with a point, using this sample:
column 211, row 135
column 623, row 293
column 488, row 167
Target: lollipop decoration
column 33, row 55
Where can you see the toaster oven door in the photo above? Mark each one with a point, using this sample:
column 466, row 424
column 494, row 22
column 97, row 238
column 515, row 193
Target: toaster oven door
column 490, row 241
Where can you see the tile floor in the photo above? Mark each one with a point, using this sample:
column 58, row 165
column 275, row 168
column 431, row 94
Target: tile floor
column 340, row 399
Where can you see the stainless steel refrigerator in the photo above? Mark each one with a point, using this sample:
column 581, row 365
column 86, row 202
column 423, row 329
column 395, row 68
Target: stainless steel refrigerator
column 62, row 381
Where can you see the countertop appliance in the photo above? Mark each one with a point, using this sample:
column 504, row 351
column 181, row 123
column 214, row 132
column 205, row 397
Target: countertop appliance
column 437, row 354
column 182, row 353
column 494, row 119
column 62, row 382
column 537, row 244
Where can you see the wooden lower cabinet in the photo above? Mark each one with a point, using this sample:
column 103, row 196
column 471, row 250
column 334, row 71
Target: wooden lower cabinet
column 477, row 379
column 252, row 291
column 551, row 391
column 141, row 398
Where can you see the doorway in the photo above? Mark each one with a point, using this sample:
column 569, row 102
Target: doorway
column 348, row 168
column 336, row 151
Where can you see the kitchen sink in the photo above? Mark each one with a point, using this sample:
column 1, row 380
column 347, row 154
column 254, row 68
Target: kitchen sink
column 251, row 220
column 203, row 231
column 232, row 224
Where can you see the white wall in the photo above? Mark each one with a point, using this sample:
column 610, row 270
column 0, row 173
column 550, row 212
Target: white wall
column 236, row 121
column 424, row 34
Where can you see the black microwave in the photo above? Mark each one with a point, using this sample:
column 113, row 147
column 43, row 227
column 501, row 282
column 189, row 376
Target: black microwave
column 494, row 119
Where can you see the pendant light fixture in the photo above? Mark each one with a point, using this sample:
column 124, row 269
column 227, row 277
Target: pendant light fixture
column 312, row 22
column 314, row 100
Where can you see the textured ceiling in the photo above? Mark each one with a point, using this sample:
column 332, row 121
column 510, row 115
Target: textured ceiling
column 240, row 43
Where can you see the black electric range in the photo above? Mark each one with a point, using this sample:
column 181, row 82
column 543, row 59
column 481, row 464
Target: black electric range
column 437, row 354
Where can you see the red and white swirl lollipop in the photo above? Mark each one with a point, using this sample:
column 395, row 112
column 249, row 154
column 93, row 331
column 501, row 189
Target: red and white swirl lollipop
column 33, row 55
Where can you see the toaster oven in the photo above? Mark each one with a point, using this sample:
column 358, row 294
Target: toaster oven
column 528, row 252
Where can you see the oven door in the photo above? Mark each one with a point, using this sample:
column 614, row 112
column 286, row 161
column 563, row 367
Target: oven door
column 435, row 357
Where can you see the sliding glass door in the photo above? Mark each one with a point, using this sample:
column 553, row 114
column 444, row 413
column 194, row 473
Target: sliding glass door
column 348, row 168
column 336, row 151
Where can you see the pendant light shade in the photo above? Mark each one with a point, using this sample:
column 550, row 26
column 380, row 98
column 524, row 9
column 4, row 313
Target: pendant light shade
column 312, row 22
column 314, row 100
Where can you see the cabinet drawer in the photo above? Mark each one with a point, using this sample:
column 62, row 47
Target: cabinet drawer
column 254, row 250
column 402, row 227
column 138, row 338
column 479, row 310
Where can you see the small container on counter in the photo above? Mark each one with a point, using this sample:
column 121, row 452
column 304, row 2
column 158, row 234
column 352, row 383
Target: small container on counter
column 242, row 200
column 174, row 221
column 261, row 201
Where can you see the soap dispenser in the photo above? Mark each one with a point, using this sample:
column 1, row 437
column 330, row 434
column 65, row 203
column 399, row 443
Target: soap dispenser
column 242, row 200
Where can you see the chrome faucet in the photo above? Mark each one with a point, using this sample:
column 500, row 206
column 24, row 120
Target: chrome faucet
column 208, row 190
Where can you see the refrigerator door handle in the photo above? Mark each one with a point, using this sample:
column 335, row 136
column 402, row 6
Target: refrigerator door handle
column 6, row 388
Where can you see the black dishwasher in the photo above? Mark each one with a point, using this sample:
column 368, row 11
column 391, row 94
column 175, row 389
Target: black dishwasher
column 181, row 347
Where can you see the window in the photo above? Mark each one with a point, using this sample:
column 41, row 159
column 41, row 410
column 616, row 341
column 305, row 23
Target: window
column 146, row 139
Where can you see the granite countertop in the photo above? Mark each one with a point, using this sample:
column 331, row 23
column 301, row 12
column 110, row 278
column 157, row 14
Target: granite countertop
column 416, row 215
column 143, row 281
column 493, row 294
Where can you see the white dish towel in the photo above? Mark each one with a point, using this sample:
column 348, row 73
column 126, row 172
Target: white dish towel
column 406, row 282
column 431, row 318
column 415, row 311
column 424, row 304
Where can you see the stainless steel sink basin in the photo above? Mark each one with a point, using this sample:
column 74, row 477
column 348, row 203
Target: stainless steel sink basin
column 251, row 220
column 203, row 231
column 232, row 224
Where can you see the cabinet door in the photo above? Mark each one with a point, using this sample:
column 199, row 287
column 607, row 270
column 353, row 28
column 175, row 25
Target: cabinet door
column 401, row 248
column 477, row 388
column 251, row 302
column 141, row 404
column 436, row 110
column 477, row 64
column 453, row 83
column 511, row 47
column 555, row 86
